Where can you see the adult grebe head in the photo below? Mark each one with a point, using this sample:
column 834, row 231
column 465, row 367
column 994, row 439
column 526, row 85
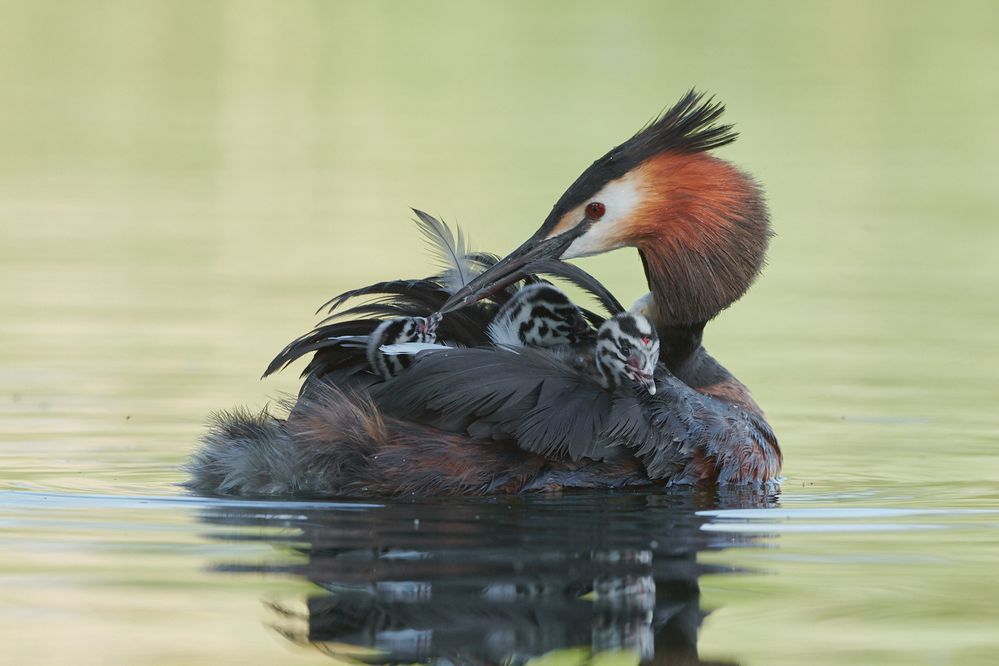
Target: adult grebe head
column 700, row 224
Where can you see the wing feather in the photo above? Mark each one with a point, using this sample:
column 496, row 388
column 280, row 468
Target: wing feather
column 450, row 248
column 530, row 396
column 580, row 278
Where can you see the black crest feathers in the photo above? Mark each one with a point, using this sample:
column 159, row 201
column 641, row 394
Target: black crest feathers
column 689, row 126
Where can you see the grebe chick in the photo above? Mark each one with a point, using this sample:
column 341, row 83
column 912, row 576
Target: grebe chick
column 539, row 315
column 394, row 332
column 627, row 350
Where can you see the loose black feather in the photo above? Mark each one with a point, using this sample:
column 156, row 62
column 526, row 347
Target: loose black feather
column 322, row 337
column 408, row 288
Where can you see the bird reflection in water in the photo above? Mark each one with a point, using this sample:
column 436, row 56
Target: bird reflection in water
column 501, row 581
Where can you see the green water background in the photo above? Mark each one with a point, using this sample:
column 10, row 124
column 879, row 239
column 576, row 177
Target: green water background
column 183, row 183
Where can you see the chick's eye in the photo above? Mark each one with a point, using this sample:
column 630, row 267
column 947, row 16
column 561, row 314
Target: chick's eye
column 595, row 210
column 625, row 347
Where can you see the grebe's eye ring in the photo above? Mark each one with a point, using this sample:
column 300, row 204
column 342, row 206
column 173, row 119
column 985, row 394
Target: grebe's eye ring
column 595, row 210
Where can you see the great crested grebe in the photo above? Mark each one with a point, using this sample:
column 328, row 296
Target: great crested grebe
column 476, row 418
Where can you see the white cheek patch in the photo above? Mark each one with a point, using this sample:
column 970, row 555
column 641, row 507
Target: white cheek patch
column 620, row 198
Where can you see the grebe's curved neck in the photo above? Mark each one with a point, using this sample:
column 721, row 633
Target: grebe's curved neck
column 704, row 240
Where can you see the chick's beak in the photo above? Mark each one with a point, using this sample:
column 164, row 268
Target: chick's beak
column 647, row 382
column 429, row 325
column 513, row 267
column 644, row 379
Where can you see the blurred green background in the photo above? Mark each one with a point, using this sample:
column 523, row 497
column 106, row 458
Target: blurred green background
column 183, row 183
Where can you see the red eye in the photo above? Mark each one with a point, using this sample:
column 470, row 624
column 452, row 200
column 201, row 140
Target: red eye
column 595, row 210
column 646, row 340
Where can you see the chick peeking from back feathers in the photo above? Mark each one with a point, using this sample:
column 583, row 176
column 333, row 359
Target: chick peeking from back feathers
column 539, row 315
column 627, row 350
column 394, row 332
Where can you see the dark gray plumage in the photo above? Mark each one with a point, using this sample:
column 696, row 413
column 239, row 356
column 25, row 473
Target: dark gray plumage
column 558, row 402
column 554, row 406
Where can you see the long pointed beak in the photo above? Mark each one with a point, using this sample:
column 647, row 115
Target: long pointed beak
column 515, row 266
